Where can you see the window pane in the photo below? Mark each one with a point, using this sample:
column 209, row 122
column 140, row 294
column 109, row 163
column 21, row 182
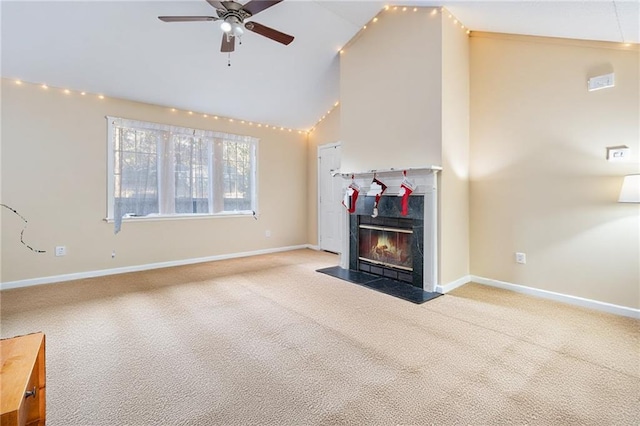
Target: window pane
column 136, row 172
column 128, row 140
column 237, row 176
column 191, row 174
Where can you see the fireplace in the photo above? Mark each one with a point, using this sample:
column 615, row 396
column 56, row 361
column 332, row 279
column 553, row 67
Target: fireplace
column 384, row 247
column 389, row 245
column 396, row 250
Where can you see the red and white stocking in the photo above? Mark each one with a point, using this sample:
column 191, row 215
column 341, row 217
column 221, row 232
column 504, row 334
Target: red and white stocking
column 378, row 188
column 351, row 196
column 406, row 188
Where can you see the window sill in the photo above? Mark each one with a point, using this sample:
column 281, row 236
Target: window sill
column 153, row 218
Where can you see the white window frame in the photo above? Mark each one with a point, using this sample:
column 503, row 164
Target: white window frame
column 212, row 136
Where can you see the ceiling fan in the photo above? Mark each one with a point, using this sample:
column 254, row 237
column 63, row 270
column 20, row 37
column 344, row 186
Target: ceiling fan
column 233, row 16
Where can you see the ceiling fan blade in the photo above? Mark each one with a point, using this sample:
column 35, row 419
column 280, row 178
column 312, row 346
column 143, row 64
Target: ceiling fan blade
column 216, row 4
column 232, row 5
column 268, row 32
column 255, row 6
column 228, row 44
column 187, row 18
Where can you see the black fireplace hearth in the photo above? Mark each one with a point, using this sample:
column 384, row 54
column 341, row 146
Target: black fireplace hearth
column 383, row 285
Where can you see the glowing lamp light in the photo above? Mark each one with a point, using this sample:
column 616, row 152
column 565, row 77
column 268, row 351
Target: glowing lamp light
column 630, row 191
column 226, row 27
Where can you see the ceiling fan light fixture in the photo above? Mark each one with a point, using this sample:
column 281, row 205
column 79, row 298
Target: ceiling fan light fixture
column 232, row 16
column 237, row 29
column 226, row 27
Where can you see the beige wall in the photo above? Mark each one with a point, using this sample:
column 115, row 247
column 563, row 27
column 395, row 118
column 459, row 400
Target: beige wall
column 390, row 93
column 326, row 131
column 454, row 179
column 540, row 183
column 54, row 172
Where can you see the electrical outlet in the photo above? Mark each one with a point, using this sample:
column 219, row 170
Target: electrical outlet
column 521, row 258
column 61, row 251
column 267, row 233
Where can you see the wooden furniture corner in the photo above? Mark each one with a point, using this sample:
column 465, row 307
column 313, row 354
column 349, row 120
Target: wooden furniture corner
column 22, row 381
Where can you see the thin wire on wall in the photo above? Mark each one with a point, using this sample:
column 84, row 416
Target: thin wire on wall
column 23, row 229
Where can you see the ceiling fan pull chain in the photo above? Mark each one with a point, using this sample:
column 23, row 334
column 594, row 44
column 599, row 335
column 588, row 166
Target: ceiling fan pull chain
column 229, row 59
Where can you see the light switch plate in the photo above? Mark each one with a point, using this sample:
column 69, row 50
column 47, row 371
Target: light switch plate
column 601, row 82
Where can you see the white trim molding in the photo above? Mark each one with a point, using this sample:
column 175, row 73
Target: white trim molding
column 446, row 288
column 319, row 221
column 544, row 294
column 559, row 297
column 135, row 268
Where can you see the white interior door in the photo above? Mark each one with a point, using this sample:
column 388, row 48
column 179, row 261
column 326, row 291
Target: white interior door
column 329, row 199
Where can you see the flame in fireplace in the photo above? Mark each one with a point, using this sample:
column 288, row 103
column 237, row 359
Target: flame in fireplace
column 386, row 250
column 385, row 245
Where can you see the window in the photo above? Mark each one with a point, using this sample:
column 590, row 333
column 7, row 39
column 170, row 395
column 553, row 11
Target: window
column 161, row 170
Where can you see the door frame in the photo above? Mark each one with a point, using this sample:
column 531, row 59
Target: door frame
column 318, row 188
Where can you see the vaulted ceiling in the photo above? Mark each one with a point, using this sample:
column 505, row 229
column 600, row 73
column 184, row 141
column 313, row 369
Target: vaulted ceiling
column 121, row 49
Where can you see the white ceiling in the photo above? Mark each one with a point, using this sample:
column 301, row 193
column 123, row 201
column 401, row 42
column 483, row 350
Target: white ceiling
column 120, row 49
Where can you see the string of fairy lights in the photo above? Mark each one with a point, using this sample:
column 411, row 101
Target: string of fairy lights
column 431, row 12
column 335, row 105
column 386, row 9
column 70, row 92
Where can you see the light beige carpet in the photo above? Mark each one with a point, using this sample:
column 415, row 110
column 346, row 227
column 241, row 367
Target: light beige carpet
column 267, row 340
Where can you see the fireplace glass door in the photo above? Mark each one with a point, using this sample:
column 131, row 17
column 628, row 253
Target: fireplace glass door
column 385, row 246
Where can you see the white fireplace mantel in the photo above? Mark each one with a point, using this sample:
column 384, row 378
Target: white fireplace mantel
column 426, row 169
column 420, row 177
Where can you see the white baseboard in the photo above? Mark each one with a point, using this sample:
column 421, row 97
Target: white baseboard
column 313, row 247
column 445, row 288
column 559, row 297
column 545, row 294
column 102, row 272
